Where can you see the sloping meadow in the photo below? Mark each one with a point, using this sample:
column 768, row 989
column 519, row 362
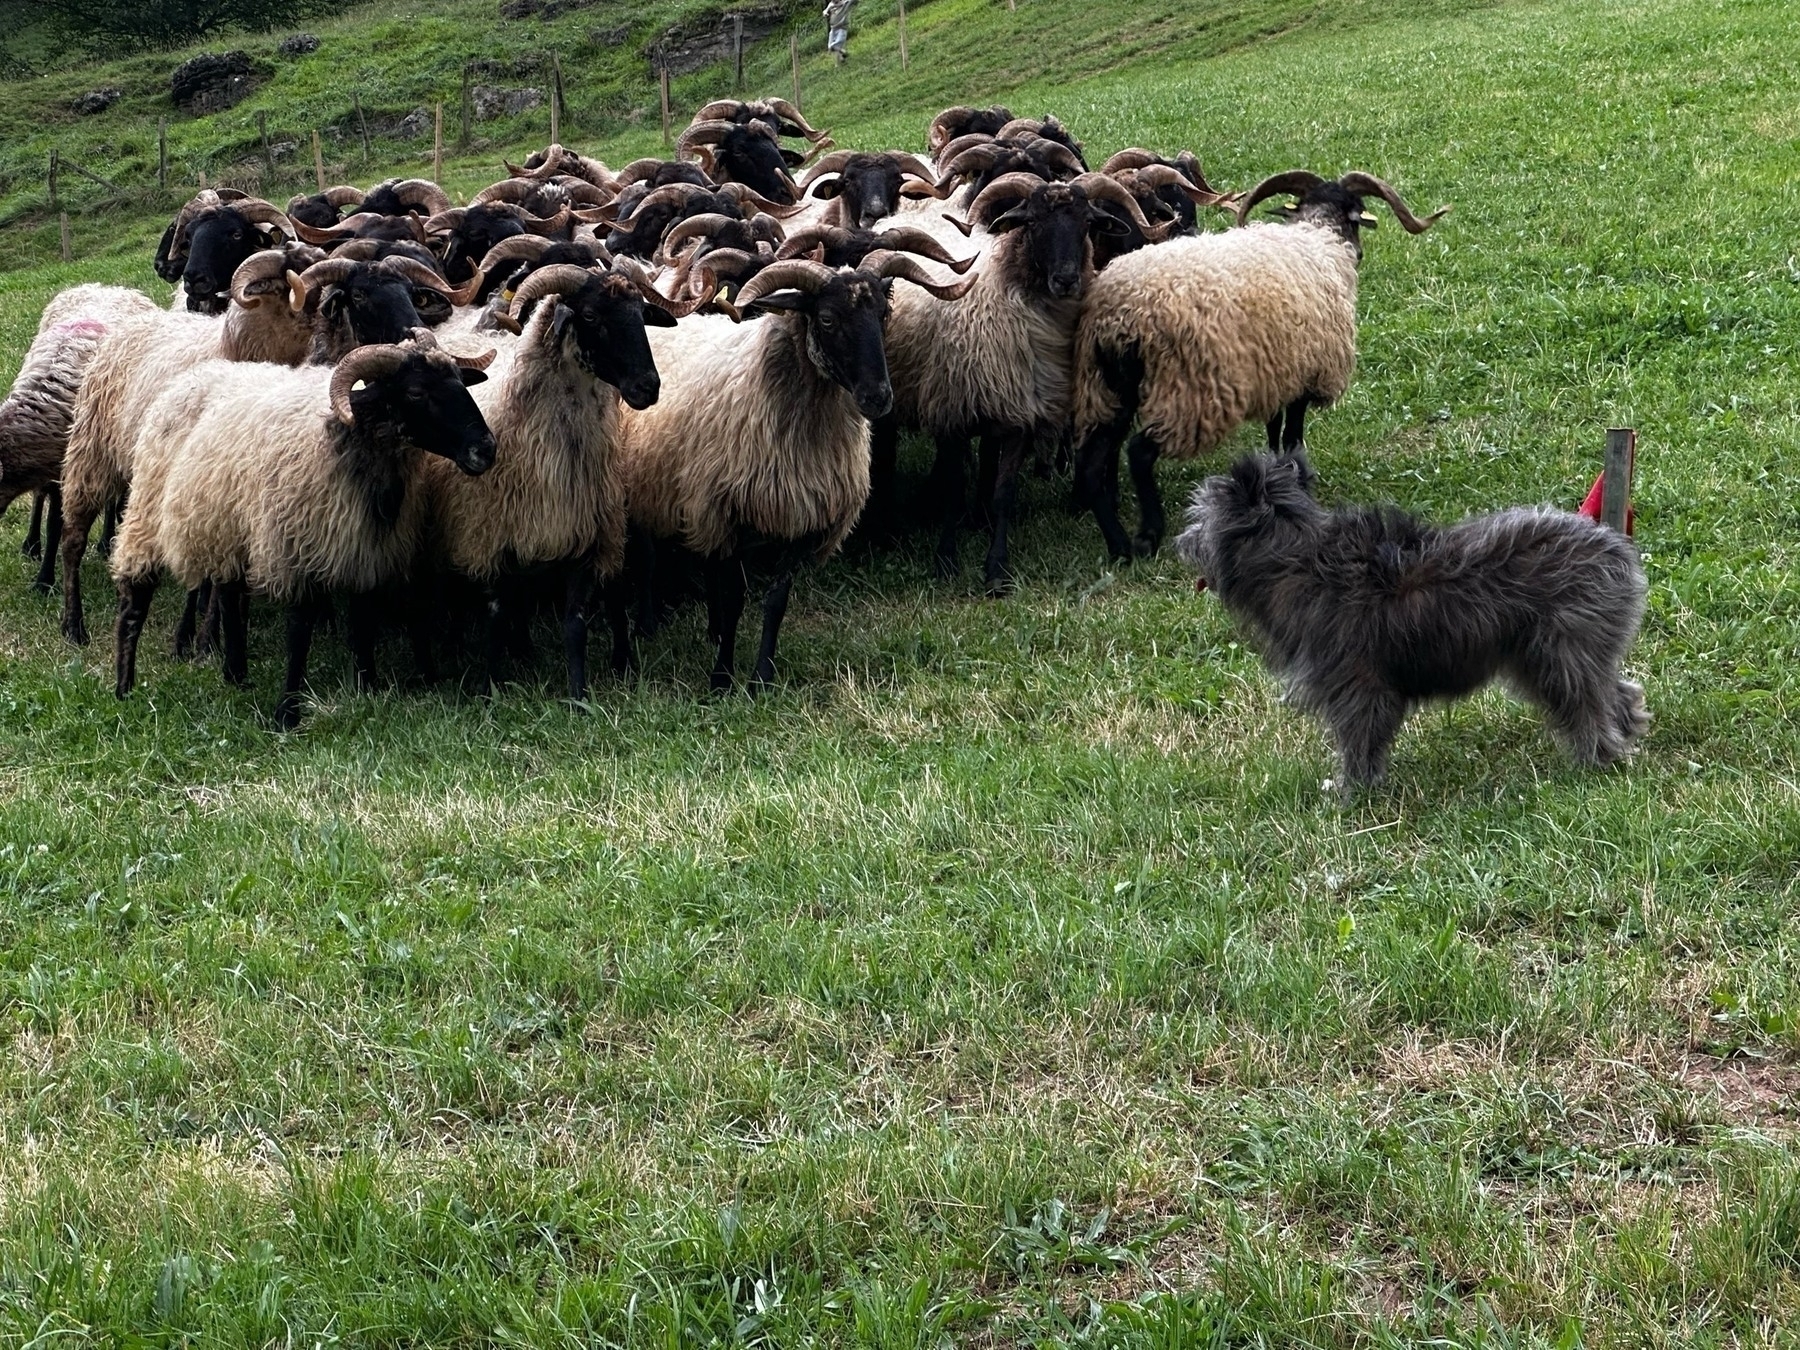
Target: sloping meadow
column 1007, row 975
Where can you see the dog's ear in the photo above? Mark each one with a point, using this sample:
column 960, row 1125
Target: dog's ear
column 1250, row 483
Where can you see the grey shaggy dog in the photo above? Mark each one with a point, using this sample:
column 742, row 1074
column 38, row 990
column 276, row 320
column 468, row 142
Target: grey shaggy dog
column 1366, row 612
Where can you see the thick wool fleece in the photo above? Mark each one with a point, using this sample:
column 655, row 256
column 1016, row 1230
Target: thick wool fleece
column 1230, row 328
column 748, row 434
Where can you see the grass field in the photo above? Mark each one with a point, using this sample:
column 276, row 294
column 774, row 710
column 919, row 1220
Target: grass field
column 1006, row 977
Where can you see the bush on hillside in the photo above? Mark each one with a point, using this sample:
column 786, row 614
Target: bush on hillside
column 137, row 25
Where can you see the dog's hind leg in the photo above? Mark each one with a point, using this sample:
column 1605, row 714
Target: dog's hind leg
column 1592, row 712
column 1141, row 454
column 1364, row 723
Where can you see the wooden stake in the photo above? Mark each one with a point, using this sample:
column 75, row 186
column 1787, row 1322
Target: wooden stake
column 54, row 158
column 556, row 99
column 437, row 145
column 1615, row 490
column 737, row 53
column 663, row 79
column 262, row 127
column 904, row 63
column 362, row 122
column 162, row 153
column 794, row 52
column 318, row 162
column 68, row 251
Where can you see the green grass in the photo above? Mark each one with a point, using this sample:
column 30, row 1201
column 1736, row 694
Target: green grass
column 1005, row 977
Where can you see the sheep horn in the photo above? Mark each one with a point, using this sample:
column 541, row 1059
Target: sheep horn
column 1155, row 176
column 802, row 242
column 835, row 162
column 344, row 229
column 702, row 133
column 361, row 366
column 258, row 212
column 887, row 264
column 1298, row 182
column 420, row 275
column 1365, row 184
column 527, row 246
column 561, row 224
column 1022, row 127
column 446, row 222
column 976, row 159
column 939, row 133
column 580, row 190
column 678, row 309
column 1056, row 154
column 906, row 238
column 912, row 166
column 690, row 228
column 951, row 149
column 1099, row 185
column 316, row 278
column 1006, row 187
column 553, row 154
column 343, row 195
column 637, row 171
column 794, row 273
column 722, row 110
column 422, row 192
column 787, row 111
column 1134, row 158
column 743, row 195
column 251, row 282
column 512, row 190
column 559, row 279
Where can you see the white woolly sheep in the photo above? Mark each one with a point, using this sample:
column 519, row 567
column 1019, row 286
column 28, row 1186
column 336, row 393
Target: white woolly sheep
column 295, row 482
column 1199, row 335
column 767, row 440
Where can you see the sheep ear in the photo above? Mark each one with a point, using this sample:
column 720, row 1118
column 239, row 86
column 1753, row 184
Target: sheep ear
column 793, row 159
column 830, row 188
column 790, row 302
column 1105, row 222
column 471, row 376
column 656, row 317
column 559, row 321
column 1010, row 221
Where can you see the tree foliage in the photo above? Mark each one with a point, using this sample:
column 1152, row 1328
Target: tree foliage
column 150, row 24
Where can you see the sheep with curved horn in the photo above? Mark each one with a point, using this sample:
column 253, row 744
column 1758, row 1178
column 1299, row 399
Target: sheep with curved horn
column 742, row 152
column 952, row 123
column 321, row 210
column 1194, row 337
column 861, row 188
column 294, row 483
column 209, row 238
column 401, row 196
column 847, row 248
column 765, row 448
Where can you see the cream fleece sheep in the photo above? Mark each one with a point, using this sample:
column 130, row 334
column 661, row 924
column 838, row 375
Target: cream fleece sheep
column 750, row 435
column 1229, row 327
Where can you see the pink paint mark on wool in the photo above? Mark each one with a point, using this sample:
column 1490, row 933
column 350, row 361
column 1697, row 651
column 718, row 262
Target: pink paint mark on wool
column 80, row 328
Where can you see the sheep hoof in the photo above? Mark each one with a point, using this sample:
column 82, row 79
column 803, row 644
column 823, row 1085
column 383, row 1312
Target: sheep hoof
column 947, row 567
column 1145, row 545
column 287, row 712
column 41, row 585
column 32, row 548
column 721, row 682
column 76, row 631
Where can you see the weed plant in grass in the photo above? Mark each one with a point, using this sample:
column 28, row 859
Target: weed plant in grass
column 1005, row 976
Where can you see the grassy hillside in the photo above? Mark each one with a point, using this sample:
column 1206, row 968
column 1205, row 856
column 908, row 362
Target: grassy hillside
column 1006, row 977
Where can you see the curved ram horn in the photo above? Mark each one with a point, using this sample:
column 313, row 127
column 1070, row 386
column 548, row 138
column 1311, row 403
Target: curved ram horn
column 423, row 193
column 802, row 242
column 1112, row 190
column 446, row 222
column 703, row 133
column 1056, row 154
column 1155, row 176
column 835, row 162
column 886, row 264
column 420, row 275
column 344, row 229
column 787, row 111
column 530, row 247
column 678, row 309
column 514, row 190
column 1134, row 158
column 748, row 196
column 938, row 134
column 907, row 239
column 304, row 286
column 361, row 366
column 252, row 282
column 637, row 171
column 558, row 279
column 560, row 225
column 793, row 274
column 951, row 149
column 1298, row 182
column 1005, row 188
column 1021, row 128
column 691, row 228
column 1366, row 184
column 912, row 166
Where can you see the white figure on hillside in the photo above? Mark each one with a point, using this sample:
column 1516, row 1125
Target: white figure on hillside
column 837, row 26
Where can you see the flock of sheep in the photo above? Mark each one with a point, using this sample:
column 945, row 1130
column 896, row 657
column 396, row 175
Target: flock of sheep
column 600, row 384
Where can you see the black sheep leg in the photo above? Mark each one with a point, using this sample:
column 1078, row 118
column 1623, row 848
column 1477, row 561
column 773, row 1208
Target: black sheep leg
column 1293, row 434
column 363, row 625
column 33, row 547
column 134, row 608
column 947, row 493
column 1011, row 459
column 234, row 624
column 207, row 641
column 1142, row 454
column 1097, row 461
column 182, row 648
column 724, row 607
column 53, row 524
column 615, row 595
column 109, row 527
column 775, row 603
column 494, row 598
column 881, row 514
column 578, row 594
column 425, row 607
column 302, row 617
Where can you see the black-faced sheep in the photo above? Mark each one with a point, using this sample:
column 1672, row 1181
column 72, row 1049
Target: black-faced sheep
column 766, row 447
column 1197, row 336
column 296, row 483
column 208, row 240
column 861, row 188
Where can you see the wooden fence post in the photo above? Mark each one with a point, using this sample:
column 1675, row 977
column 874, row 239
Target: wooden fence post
column 262, row 127
column 556, row 99
column 53, row 167
column 362, row 122
column 737, row 53
column 162, row 152
column 794, row 53
column 318, row 162
column 663, row 79
column 437, row 145
column 1615, row 489
column 68, row 251
column 904, row 63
